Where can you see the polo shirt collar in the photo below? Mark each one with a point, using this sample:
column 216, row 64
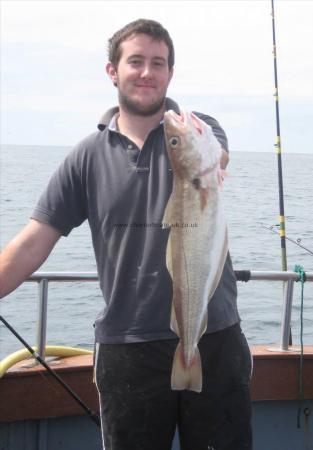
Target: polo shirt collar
column 108, row 119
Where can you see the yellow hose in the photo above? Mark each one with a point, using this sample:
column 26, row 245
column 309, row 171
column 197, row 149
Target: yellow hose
column 51, row 350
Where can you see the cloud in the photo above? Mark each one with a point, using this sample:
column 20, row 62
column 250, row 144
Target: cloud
column 54, row 54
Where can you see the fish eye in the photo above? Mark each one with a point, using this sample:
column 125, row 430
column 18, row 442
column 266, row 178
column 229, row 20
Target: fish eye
column 174, row 141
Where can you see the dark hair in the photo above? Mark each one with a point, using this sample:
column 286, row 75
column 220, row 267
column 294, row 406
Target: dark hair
column 145, row 26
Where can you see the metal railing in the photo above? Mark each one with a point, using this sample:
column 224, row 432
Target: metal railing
column 43, row 279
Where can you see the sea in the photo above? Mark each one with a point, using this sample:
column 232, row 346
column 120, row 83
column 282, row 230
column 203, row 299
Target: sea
column 252, row 208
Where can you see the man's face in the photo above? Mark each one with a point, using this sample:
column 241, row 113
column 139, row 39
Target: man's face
column 142, row 75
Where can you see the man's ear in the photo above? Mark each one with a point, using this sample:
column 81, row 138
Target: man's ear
column 170, row 74
column 112, row 72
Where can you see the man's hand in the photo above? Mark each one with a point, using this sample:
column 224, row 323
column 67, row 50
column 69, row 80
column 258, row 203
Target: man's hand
column 224, row 159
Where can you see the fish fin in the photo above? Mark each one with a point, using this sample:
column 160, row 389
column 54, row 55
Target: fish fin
column 204, row 193
column 220, row 263
column 166, row 222
column 204, row 324
column 174, row 323
column 186, row 377
column 169, row 256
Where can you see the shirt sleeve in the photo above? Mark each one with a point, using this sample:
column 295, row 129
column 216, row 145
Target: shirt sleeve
column 63, row 203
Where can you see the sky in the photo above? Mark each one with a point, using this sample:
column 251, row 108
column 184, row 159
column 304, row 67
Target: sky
column 55, row 88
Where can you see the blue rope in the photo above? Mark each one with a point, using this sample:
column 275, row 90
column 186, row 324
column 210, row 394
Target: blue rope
column 302, row 277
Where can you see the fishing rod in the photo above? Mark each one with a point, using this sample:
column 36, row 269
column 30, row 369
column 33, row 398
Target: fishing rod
column 94, row 416
column 297, row 242
column 279, row 158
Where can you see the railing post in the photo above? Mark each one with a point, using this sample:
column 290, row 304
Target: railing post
column 286, row 316
column 42, row 317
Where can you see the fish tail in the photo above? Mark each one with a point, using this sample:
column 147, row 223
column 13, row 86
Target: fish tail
column 186, row 376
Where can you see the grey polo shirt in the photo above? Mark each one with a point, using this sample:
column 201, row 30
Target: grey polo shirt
column 122, row 192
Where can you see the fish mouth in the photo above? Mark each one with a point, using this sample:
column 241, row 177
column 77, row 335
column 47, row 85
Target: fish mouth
column 174, row 119
column 183, row 120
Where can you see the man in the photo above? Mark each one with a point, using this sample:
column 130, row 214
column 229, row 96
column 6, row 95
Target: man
column 119, row 178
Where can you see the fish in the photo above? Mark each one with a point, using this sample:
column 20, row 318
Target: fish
column 197, row 245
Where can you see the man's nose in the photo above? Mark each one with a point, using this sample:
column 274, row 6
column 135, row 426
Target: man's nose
column 146, row 71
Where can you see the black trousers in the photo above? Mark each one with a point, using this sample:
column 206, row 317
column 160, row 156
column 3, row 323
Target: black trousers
column 140, row 411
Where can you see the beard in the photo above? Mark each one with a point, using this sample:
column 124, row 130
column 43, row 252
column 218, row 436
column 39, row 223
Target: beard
column 137, row 108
